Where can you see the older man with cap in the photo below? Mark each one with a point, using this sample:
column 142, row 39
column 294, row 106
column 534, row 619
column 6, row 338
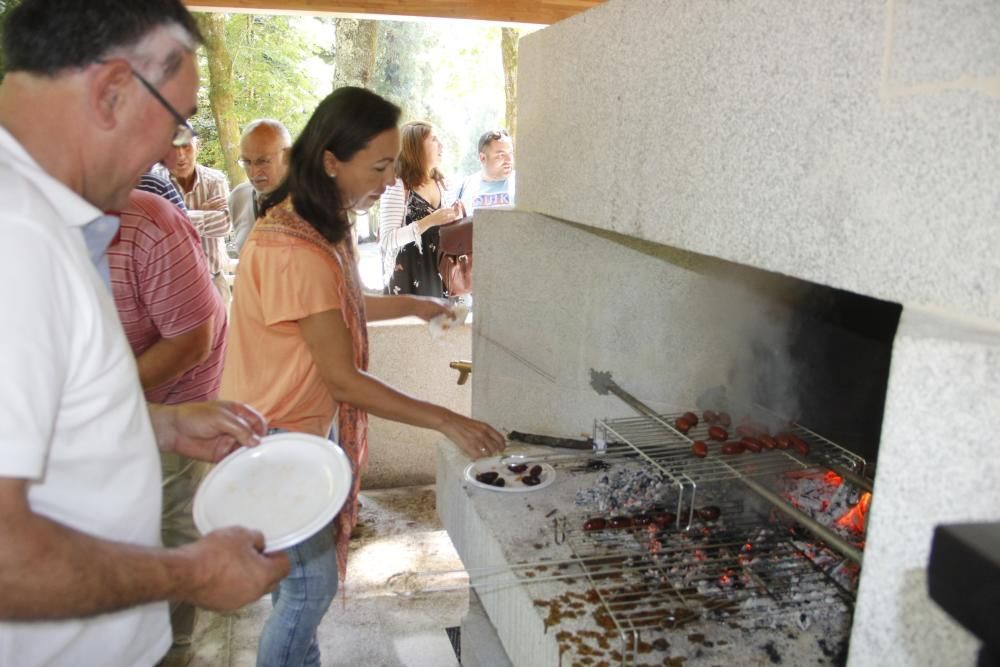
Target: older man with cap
column 206, row 194
column 90, row 99
column 264, row 150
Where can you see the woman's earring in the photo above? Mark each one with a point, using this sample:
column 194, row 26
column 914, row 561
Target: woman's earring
column 331, row 174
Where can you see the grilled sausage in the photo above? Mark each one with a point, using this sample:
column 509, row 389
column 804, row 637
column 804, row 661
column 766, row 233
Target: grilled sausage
column 690, row 417
column 710, row 416
column 783, row 440
column 620, row 522
column 717, row 433
column 767, row 441
column 800, row 445
column 751, row 445
column 664, row 519
column 732, row 447
column 710, row 513
column 699, row 449
column 724, row 419
column 595, row 523
column 683, row 425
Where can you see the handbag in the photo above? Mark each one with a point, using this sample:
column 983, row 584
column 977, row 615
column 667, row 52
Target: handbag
column 454, row 261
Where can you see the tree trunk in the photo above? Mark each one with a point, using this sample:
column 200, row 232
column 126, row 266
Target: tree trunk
column 355, row 52
column 220, row 91
column 508, row 45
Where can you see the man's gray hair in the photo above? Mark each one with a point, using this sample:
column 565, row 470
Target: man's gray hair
column 275, row 125
column 146, row 55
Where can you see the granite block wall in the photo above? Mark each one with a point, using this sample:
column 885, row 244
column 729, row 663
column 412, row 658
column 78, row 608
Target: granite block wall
column 854, row 144
column 937, row 464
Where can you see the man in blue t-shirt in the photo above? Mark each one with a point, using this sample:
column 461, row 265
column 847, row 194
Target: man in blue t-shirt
column 493, row 185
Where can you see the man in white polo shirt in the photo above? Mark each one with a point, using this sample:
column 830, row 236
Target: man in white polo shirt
column 90, row 100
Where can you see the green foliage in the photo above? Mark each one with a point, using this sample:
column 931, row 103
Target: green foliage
column 403, row 74
column 5, row 7
column 277, row 72
column 450, row 73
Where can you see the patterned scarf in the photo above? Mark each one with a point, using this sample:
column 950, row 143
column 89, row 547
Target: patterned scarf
column 352, row 423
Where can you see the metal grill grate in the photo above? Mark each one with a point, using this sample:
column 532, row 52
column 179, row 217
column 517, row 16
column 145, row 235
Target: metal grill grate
column 654, row 440
column 658, row 442
column 648, row 580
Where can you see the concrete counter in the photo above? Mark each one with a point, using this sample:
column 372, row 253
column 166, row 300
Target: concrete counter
column 404, row 354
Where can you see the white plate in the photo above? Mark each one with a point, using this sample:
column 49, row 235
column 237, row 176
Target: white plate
column 288, row 487
column 439, row 324
column 513, row 480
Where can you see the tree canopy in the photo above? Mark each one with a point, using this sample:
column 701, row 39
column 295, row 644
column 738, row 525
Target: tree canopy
column 449, row 72
column 271, row 74
column 457, row 74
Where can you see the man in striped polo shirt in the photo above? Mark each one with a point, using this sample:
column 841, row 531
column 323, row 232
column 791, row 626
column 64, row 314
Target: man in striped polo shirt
column 206, row 194
column 176, row 324
column 174, row 320
column 150, row 182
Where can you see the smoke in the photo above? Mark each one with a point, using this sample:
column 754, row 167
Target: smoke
column 761, row 380
column 762, row 372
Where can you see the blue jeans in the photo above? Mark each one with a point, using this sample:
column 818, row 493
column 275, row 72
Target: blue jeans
column 299, row 603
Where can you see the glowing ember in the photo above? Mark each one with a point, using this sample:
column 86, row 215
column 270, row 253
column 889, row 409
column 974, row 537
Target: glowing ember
column 854, row 518
column 832, row 478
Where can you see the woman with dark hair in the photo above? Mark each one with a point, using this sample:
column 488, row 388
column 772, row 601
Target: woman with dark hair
column 411, row 212
column 298, row 347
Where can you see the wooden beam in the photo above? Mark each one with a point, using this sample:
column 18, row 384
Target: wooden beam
column 507, row 11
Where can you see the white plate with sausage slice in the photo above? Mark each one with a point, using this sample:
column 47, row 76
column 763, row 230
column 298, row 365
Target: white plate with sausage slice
column 486, row 473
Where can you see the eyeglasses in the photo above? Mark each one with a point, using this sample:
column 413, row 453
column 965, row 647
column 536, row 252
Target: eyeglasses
column 184, row 134
column 258, row 163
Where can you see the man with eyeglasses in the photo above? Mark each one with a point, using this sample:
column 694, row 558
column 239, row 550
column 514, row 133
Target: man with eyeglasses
column 264, row 150
column 89, row 101
column 206, row 194
column 493, row 184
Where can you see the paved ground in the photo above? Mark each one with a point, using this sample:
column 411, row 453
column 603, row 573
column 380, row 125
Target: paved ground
column 372, row 626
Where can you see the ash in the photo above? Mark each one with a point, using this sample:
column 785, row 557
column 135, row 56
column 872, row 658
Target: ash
column 826, row 502
column 624, row 487
column 736, row 590
column 822, row 500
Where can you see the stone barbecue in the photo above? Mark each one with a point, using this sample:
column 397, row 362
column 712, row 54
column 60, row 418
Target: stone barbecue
column 797, row 203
